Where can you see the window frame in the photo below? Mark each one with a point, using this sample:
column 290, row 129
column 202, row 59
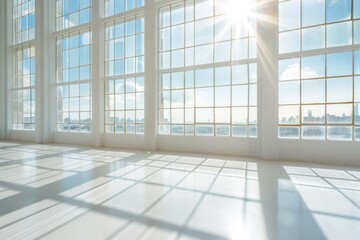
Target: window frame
column 323, row 51
column 249, row 60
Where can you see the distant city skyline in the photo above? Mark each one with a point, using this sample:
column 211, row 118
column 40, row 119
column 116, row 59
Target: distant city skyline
column 331, row 118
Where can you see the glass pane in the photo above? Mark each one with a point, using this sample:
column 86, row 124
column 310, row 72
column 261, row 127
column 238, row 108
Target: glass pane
column 289, row 115
column 338, row 10
column 222, row 52
column 289, row 15
column 313, row 67
column 308, row 132
column 204, row 130
column 177, row 116
column 222, row 115
column 313, row 114
column 339, row 133
column 240, row 95
column 313, row 38
column 239, row 115
column 203, row 8
column 222, row 96
column 313, row 12
column 289, row 132
column 339, row 34
column 164, row 129
column 177, row 14
column 204, row 31
column 289, row 41
column 289, row 69
column 222, row 76
column 204, row 97
column 339, row 90
column 240, row 74
column 178, row 37
column 356, row 8
column 204, row 77
column 289, row 92
column 339, row 114
column 222, row 130
column 239, row 131
column 313, row 91
column 339, row 64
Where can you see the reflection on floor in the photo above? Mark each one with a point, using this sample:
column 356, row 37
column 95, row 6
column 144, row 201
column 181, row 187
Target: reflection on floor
column 61, row 192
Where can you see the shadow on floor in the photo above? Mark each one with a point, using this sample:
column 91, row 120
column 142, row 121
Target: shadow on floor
column 57, row 192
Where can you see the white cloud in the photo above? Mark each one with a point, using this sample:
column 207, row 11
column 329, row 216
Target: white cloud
column 334, row 2
column 293, row 72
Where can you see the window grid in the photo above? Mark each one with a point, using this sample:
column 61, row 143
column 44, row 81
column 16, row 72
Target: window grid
column 124, row 70
column 332, row 112
column 181, row 107
column 125, row 106
column 324, row 95
column 70, row 13
column 74, row 74
column 302, row 33
column 23, row 21
column 230, row 48
column 23, row 88
column 124, row 46
column 113, row 7
column 181, row 43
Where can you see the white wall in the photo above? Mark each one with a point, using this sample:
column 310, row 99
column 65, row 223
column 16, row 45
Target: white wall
column 332, row 152
column 266, row 146
column 213, row 145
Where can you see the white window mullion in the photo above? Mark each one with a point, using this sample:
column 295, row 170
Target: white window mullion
column 9, row 67
column 3, row 60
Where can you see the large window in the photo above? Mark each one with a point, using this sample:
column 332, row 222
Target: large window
column 202, row 67
column 319, row 86
column 207, row 68
column 74, row 81
column 74, row 66
column 23, row 65
column 23, row 88
column 23, row 20
column 124, row 69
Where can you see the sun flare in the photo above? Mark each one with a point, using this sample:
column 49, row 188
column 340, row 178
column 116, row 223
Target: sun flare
column 238, row 11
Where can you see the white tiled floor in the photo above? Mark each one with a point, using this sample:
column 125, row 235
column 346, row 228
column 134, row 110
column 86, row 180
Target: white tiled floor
column 62, row 192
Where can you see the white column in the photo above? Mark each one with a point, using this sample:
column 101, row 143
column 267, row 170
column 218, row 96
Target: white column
column 2, row 71
column 151, row 101
column 97, row 77
column 45, row 58
column 267, row 75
